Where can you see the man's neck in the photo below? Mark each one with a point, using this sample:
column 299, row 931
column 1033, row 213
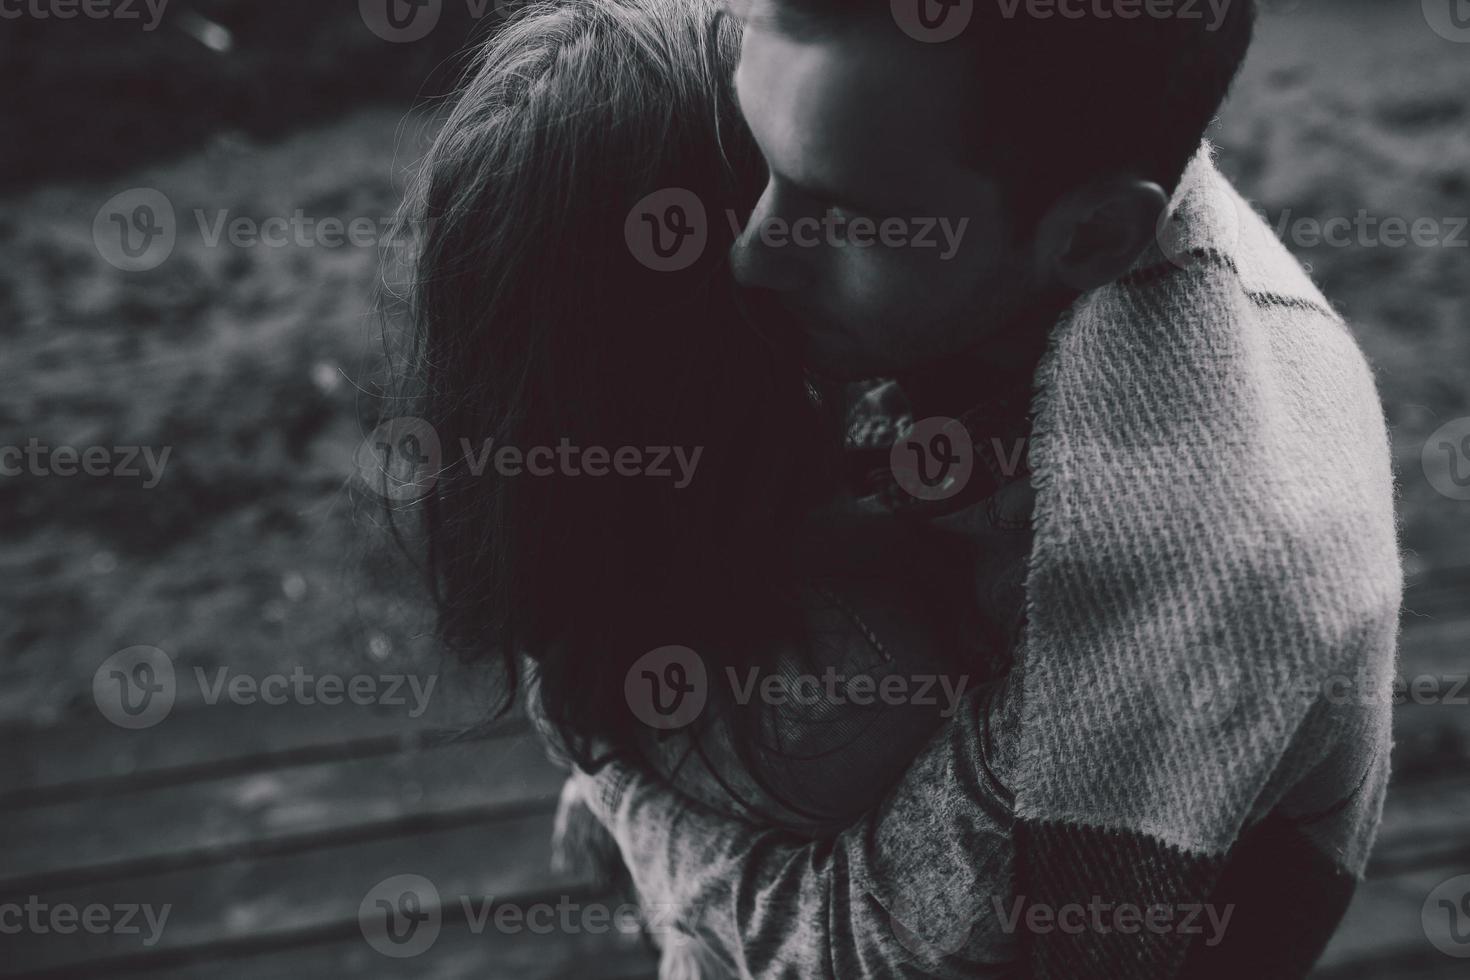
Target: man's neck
column 1006, row 361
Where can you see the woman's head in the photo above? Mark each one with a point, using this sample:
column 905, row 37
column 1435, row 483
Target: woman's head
column 542, row 327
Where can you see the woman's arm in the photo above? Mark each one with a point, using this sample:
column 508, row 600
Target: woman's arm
column 827, row 724
column 920, row 886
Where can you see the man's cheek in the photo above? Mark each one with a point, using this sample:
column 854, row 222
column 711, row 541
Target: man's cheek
column 870, row 280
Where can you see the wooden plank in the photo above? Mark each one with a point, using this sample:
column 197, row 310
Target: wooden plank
column 462, row 952
column 1435, row 637
column 1437, row 645
column 1437, row 593
column 1431, row 740
column 264, row 904
column 91, row 756
column 1424, row 840
column 1425, row 825
column 270, row 811
column 1419, row 964
column 1434, row 739
column 271, row 900
column 1384, row 925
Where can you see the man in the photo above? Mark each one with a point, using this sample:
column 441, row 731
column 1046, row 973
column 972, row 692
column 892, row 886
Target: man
column 1193, row 793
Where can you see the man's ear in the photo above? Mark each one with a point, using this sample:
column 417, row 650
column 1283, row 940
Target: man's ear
column 1091, row 236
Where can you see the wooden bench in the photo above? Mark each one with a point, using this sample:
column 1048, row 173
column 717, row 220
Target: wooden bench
column 265, row 829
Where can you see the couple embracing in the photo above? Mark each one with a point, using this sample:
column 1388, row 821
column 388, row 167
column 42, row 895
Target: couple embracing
column 1109, row 470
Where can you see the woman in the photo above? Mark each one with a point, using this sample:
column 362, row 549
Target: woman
column 541, row 320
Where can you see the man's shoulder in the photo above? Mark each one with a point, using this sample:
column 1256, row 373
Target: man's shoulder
column 1211, row 419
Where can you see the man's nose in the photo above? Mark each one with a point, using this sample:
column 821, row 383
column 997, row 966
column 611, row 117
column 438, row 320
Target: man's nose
column 764, row 255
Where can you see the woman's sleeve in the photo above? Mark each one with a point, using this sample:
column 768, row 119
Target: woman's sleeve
column 920, row 886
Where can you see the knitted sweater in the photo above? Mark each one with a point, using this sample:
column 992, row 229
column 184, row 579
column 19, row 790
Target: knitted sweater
column 1202, row 692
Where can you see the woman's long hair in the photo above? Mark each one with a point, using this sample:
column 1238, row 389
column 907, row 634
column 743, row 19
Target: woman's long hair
column 534, row 324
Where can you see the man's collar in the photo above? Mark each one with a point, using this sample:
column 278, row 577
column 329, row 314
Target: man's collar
column 996, row 428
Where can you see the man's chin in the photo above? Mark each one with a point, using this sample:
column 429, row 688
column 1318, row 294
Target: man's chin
column 835, row 357
column 838, row 364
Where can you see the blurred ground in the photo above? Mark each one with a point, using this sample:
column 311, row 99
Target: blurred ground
column 251, row 364
column 1347, row 106
column 109, row 93
column 258, row 366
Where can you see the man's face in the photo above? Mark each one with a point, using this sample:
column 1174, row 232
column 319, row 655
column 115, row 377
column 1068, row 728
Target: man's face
column 885, row 248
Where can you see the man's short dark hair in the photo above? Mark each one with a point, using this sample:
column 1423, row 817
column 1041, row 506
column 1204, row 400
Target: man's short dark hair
column 1063, row 98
